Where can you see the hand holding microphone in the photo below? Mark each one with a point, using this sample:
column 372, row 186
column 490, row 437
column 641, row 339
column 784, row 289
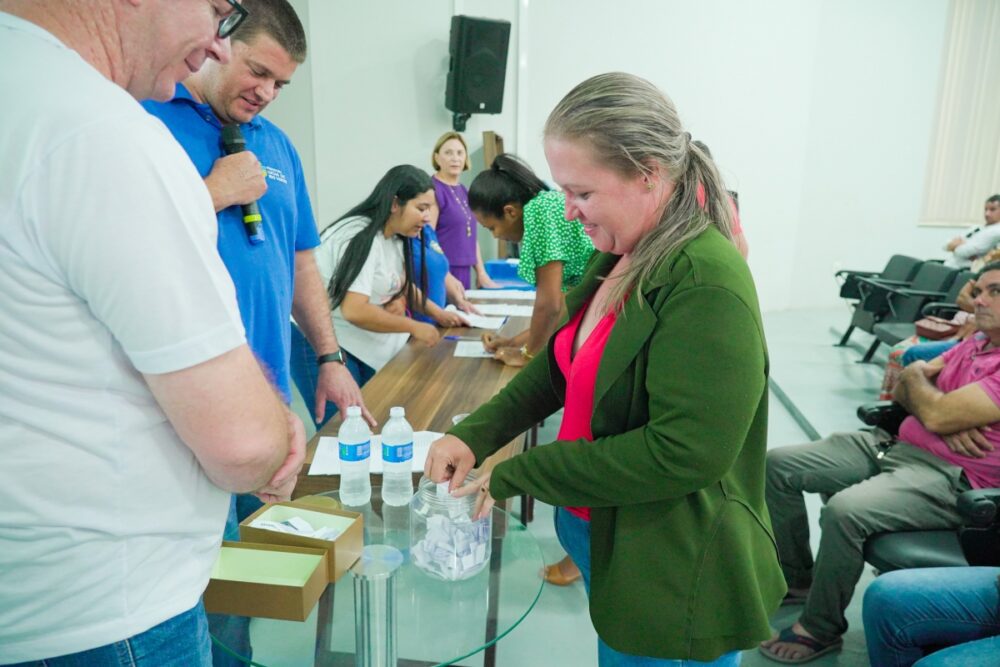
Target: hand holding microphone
column 238, row 178
column 235, row 180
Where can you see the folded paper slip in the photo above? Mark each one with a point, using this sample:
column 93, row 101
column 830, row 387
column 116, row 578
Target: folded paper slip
column 342, row 552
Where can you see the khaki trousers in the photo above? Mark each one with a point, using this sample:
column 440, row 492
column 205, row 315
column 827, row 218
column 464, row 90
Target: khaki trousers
column 908, row 489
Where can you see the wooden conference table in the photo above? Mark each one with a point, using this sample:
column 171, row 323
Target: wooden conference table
column 433, row 385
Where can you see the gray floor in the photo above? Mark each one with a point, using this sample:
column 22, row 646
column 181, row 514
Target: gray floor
column 826, row 385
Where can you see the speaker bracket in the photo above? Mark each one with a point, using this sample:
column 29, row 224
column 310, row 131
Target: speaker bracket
column 458, row 121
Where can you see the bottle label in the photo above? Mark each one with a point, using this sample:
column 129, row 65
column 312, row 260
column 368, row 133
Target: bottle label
column 356, row 452
column 397, row 453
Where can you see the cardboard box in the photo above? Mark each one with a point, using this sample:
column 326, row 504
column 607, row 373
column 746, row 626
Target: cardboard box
column 266, row 580
column 342, row 552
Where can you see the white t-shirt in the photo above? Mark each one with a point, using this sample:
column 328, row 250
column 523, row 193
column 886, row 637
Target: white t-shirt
column 108, row 268
column 977, row 242
column 380, row 279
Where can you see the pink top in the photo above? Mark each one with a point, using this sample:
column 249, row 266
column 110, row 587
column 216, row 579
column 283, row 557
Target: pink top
column 965, row 363
column 702, row 197
column 580, row 372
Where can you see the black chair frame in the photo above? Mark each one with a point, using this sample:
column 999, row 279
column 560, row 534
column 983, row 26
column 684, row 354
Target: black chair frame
column 976, row 542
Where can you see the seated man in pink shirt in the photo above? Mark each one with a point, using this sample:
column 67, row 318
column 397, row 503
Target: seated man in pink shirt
column 949, row 444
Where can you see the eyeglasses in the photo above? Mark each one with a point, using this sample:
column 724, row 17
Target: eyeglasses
column 229, row 24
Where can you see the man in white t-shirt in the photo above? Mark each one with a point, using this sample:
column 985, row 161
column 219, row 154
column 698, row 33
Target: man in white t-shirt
column 125, row 378
column 979, row 240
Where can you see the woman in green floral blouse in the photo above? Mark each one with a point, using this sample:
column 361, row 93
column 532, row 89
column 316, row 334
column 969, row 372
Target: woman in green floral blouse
column 512, row 202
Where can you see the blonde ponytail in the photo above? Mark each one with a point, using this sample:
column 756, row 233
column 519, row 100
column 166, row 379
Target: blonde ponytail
column 631, row 125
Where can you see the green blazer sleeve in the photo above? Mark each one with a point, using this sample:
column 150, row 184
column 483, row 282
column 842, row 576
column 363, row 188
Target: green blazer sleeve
column 524, row 402
column 534, row 393
column 701, row 389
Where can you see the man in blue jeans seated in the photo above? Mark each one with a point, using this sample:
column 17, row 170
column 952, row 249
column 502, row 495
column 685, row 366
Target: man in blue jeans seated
column 948, row 444
column 910, row 613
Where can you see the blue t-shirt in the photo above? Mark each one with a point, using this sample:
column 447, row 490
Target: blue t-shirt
column 264, row 274
column 437, row 269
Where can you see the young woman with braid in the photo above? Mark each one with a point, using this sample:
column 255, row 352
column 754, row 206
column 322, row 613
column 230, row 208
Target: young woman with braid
column 515, row 205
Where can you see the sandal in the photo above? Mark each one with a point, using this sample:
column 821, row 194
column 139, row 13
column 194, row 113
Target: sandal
column 787, row 636
column 553, row 574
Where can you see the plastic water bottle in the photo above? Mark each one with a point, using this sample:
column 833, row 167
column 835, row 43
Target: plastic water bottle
column 397, row 459
column 355, row 440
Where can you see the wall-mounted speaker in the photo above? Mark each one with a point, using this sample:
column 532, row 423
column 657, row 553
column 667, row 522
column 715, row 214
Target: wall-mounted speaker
column 478, row 50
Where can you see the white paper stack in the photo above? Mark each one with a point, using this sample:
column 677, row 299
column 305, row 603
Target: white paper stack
column 478, row 321
column 508, row 309
column 501, row 294
column 471, row 348
column 327, row 458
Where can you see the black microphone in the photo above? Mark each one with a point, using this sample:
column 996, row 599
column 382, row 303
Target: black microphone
column 233, row 142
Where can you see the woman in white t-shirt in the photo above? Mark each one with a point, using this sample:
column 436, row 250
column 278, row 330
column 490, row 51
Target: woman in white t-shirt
column 365, row 260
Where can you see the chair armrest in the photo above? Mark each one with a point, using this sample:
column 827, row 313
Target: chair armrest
column 882, row 282
column 885, row 415
column 940, row 308
column 851, row 272
column 916, row 292
column 979, row 507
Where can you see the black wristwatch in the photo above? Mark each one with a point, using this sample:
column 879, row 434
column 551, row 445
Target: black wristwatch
column 337, row 357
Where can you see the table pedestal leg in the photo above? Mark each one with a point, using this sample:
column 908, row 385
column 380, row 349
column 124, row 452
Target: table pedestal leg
column 375, row 605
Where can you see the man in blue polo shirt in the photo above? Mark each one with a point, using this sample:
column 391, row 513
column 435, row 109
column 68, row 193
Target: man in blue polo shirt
column 279, row 276
column 276, row 277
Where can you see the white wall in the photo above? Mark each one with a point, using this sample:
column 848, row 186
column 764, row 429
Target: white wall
column 818, row 111
column 294, row 111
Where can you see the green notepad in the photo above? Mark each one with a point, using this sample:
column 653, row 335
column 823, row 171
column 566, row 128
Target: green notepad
column 264, row 567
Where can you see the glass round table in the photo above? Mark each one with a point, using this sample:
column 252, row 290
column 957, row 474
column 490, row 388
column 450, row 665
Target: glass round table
column 438, row 622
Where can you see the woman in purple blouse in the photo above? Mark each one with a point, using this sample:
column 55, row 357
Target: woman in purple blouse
column 456, row 229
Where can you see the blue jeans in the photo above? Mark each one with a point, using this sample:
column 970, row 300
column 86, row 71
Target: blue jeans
column 305, row 372
column 181, row 641
column 926, row 351
column 574, row 536
column 231, row 634
column 908, row 613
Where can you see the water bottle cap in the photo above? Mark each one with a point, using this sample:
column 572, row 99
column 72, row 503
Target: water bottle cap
column 354, row 411
column 397, row 412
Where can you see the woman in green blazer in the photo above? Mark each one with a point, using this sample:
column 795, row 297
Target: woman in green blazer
column 678, row 553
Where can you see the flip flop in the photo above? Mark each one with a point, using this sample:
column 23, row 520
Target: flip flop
column 553, row 575
column 786, row 636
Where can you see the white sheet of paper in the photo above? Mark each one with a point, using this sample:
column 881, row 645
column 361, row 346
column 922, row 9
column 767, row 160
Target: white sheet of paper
column 507, row 294
column 478, row 321
column 508, row 309
column 326, row 461
column 471, row 348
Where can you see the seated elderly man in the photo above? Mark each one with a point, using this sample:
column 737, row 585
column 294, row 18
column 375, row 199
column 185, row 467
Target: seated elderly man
column 947, row 445
column 979, row 240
